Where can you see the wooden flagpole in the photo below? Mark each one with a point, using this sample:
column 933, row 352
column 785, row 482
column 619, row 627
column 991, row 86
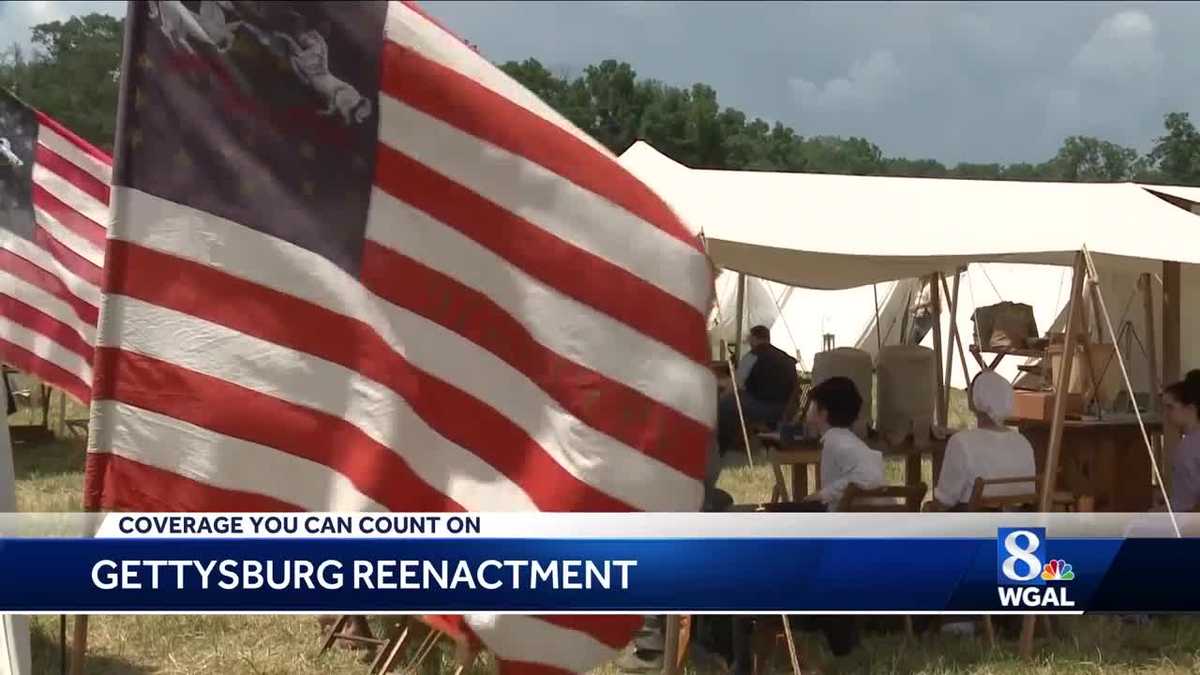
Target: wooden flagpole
column 134, row 19
column 14, row 629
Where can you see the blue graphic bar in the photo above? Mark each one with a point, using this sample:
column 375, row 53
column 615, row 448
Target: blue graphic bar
column 580, row 575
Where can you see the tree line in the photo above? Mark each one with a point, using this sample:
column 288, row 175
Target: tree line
column 72, row 71
column 611, row 103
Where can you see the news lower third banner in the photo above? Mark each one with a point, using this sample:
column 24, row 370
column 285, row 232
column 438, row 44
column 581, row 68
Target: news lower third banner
column 609, row 563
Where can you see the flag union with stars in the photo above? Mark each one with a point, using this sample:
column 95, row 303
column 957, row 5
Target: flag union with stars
column 240, row 131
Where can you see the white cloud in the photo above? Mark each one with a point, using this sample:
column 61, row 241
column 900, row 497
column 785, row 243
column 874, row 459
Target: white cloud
column 869, row 82
column 1123, row 48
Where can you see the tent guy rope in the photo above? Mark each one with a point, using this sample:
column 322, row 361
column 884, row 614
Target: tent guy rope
column 1094, row 277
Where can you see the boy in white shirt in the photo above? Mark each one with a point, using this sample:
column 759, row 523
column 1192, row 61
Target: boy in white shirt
column 845, row 459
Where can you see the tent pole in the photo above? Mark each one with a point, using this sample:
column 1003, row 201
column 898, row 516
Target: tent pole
column 935, row 307
column 739, row 310
column 962, row 353
column 1146, row 284
column 1062, row 386
column 878, row 328
column 1147, row 287
column 1171, row 357
column 954, row 336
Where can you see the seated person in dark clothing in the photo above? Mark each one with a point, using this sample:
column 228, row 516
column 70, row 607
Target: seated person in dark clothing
column 765, row 378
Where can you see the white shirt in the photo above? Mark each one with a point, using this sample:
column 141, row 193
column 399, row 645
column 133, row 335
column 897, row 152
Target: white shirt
column 988, row 454
column 845, row 459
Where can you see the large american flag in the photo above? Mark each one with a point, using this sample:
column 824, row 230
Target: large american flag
column 354, row 266
column 54, row 191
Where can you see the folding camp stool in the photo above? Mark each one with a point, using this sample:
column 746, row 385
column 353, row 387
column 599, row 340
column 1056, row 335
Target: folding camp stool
column 389, row 650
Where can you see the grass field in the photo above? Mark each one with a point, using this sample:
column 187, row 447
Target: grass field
column 49, row 478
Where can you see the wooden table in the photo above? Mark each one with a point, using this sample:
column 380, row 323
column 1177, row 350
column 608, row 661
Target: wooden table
column 1105, row 459
column 805, row 452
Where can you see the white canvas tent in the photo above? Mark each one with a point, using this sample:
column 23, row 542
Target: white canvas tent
column 832, row 231
column 838, row 232
column 847, row 316
column 800, row 318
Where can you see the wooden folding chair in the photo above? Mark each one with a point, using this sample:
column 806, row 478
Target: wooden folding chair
column 337, row 631
column 793, row 413
column 769, row 631
column 1013, row 502
column 886, row 499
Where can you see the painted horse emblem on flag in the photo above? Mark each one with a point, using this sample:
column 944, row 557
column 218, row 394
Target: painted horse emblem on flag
column 180, row 25
column 303, row 47
column 10, row 158
column 310, row 61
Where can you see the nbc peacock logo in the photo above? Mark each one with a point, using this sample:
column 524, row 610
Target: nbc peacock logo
column 1058, row 570
column 1024, row 568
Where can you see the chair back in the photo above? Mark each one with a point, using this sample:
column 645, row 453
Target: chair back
column 982, row 502
column 903, row 498
column 797, row 405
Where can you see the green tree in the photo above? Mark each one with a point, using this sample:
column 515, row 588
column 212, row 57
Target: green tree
column 915, row 168
column 831, row 154
column 1088, row 159
column 72, row 74
column 977, row 171
column 1177, row 153
column 690, row 126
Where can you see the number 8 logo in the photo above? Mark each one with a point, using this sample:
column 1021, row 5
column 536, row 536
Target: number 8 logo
column 1024, row 554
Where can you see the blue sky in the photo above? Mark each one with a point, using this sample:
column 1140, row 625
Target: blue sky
column 954, row 81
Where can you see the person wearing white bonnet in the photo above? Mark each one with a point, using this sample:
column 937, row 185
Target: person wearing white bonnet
column 990, row 451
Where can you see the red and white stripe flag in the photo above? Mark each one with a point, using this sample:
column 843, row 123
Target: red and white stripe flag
column 354, row 266
column 54, row 192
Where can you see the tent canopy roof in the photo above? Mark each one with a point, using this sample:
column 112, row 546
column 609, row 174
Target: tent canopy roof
column 834, row 231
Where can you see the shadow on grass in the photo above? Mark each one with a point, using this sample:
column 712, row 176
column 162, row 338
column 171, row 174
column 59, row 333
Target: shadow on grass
column 47, row 655
column 57, row 457
column 1095, row 644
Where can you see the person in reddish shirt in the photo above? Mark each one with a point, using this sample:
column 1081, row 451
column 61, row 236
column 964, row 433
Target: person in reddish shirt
column 1181, row 405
